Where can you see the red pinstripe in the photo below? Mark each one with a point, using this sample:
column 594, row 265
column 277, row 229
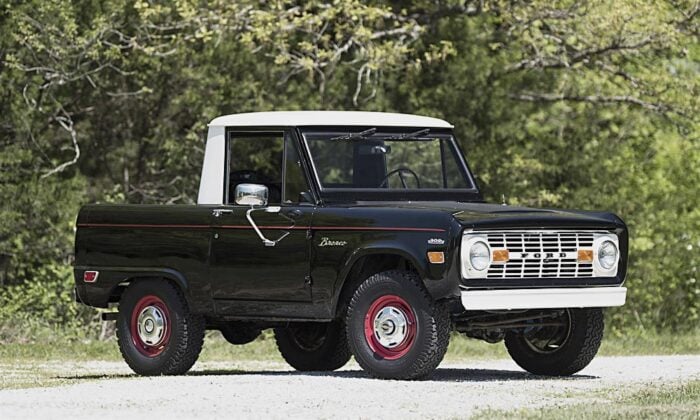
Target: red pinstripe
column 352, row 228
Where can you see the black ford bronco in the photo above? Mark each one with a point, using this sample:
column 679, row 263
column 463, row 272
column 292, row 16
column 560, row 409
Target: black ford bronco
column 349, row 233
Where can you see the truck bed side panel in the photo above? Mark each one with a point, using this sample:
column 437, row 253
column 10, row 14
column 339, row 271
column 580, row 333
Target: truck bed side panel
column 123, row 242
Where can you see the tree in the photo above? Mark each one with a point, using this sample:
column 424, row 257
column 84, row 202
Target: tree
column 564, row 104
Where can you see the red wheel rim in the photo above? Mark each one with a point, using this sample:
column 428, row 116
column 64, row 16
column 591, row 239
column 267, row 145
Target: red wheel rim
column 150, row 326
column 390, row 327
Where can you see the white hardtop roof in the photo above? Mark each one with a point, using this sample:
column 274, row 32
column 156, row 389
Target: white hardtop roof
column 311, row 118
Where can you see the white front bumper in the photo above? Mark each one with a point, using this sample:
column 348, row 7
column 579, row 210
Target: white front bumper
column 589, row 297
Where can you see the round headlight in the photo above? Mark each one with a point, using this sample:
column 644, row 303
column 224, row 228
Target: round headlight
column 607, row 255
column 479, row 256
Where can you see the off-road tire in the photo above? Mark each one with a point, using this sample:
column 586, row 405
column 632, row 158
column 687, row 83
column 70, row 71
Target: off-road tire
column 326, row 350
column 186, row 330
column 239, row 334
column 581, row 346
column 431, row 334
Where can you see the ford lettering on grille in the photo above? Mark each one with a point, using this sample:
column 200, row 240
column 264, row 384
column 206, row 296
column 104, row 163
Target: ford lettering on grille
column 540, row 254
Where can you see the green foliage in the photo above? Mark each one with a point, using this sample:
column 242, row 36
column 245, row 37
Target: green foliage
column 566, row 104
column 44, row 309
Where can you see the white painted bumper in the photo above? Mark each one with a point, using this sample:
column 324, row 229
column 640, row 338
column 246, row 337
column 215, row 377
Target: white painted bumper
column 590, row 297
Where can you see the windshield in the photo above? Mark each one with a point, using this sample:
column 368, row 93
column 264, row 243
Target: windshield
column 376, row 159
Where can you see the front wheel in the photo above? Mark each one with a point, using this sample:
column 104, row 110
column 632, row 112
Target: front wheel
column 395, row 329
column 157, row 333
column 562, row 348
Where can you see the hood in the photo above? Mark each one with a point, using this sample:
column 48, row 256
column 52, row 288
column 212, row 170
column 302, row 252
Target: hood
column 483, row 215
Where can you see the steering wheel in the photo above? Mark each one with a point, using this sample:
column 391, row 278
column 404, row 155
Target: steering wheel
column 246, row 175
column 400, row 171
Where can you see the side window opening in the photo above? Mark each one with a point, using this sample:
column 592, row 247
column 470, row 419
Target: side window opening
column 266, row 158
column 256, row 158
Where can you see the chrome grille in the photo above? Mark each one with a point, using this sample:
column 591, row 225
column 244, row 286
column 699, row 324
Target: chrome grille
column 540, row 254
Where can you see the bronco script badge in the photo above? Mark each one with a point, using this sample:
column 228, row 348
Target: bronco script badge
column 328, row 242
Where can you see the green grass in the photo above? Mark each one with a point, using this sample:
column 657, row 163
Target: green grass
column 264, row 349
column 681, row 401
column 636, row 344
column 651, row 344
column 215, row 349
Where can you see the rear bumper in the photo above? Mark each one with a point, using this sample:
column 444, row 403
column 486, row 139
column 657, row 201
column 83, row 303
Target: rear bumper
column 588, row 297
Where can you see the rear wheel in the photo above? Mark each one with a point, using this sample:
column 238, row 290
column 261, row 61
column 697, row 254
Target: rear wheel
column 395, row 330
column 314, row 345
column 156, row 332
column 560, row 349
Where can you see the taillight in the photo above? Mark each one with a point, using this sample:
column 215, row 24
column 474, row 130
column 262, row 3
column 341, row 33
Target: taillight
column 90, row 276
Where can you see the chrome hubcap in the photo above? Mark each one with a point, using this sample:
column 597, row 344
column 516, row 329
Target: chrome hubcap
column 390, row 327
column 151, row 325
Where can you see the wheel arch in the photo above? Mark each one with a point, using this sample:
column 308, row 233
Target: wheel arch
column 369, row 262
column 173, row 276
column 112, row 281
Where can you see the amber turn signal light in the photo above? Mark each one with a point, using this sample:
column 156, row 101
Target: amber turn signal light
column 585, row 255
column 436, row 257
column 500, row 255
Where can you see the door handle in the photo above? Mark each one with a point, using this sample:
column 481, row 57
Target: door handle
column 294, row 214
column 219, row 212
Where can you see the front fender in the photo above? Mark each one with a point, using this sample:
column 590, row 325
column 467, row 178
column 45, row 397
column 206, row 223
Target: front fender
column 386, row 248
column 436, row 277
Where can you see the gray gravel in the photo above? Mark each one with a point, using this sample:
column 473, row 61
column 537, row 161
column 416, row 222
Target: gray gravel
column 264, row 390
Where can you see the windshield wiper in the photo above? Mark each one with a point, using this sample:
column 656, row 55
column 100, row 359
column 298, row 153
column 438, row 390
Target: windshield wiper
column 410, row 135
column 356, row 136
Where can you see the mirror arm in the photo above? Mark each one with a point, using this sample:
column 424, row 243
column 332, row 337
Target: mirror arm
column 266, row 242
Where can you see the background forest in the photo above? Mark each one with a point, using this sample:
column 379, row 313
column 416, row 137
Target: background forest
column 569, row 104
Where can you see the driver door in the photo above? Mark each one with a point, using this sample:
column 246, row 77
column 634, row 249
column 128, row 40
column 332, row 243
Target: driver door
column 243, row 269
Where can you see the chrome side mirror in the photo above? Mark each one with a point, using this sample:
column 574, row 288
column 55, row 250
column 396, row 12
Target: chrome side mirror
column 255, row 196
column 251, row 195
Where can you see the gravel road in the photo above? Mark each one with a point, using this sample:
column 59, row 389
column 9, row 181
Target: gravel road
column 264, row 390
